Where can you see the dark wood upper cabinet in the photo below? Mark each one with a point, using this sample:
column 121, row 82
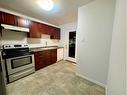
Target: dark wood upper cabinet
column 22, row 22
column 55, row 33
column 50, row 30
column 34, row 30
column 9, row 19
column 44, row 28
column 0, row 17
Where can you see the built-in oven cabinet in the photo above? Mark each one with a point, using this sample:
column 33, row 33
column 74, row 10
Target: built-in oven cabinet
column 45, row 58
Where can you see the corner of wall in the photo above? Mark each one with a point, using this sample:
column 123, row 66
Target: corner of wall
column 91, row 80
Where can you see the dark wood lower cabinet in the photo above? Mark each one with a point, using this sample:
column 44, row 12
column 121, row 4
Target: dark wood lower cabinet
column 53, row 55
column 45, row 58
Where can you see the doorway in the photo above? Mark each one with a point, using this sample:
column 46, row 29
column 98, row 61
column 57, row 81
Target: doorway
column 72, row 46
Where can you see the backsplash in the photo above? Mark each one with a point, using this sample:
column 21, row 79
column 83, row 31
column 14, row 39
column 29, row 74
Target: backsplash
column 12, row 37
column 33, row 42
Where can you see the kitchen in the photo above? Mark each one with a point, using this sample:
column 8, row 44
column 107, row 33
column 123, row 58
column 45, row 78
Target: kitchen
column 14, row 50
column 36, row 46
column 24, row 57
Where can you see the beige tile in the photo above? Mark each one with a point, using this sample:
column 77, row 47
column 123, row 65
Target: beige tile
column 56, row 79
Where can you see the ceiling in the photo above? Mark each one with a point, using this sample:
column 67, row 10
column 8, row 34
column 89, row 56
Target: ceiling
column 65, row 11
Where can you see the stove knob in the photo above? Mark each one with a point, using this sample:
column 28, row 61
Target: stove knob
column 7, row 46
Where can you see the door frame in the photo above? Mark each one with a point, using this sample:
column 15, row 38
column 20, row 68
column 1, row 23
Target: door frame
column 70, row 58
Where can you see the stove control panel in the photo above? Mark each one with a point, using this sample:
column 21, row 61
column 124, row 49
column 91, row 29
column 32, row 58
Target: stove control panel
column 15, row 46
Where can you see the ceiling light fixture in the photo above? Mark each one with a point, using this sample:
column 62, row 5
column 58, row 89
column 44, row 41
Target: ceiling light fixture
column 46, row 4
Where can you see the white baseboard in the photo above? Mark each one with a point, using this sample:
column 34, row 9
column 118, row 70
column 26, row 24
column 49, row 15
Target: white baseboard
column 106, row 90
column 71, row 59
column 94, row 81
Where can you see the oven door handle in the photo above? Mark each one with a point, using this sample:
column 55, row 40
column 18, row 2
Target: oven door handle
column 20, row 57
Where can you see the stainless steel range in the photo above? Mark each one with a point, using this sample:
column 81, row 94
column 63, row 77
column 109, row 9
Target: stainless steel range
column 19, row 61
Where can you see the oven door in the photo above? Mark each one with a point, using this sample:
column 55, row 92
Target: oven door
column 18, row 64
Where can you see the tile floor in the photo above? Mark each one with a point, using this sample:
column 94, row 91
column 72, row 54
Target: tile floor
column 56, row 79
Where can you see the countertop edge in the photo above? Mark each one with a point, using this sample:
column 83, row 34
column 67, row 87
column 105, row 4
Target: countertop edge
column 44, row 48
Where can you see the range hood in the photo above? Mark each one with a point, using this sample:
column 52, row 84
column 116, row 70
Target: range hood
column 15, row 28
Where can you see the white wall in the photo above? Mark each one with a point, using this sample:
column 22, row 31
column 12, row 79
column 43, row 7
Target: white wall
column 117, row 72
column 64, row 42
column 95, row 25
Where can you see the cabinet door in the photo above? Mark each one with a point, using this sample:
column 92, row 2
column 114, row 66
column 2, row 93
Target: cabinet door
column 34, row 30
column 60, row 54
column 50, row 56
column 52, row 33
column 58, row 33
column 44, row 28
column 53, row 55
column 47, row 55
column 0, row 17
column 23, row 22
column 50, row 30
column 9, row 19
column 55, row 33
column 40, row 61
